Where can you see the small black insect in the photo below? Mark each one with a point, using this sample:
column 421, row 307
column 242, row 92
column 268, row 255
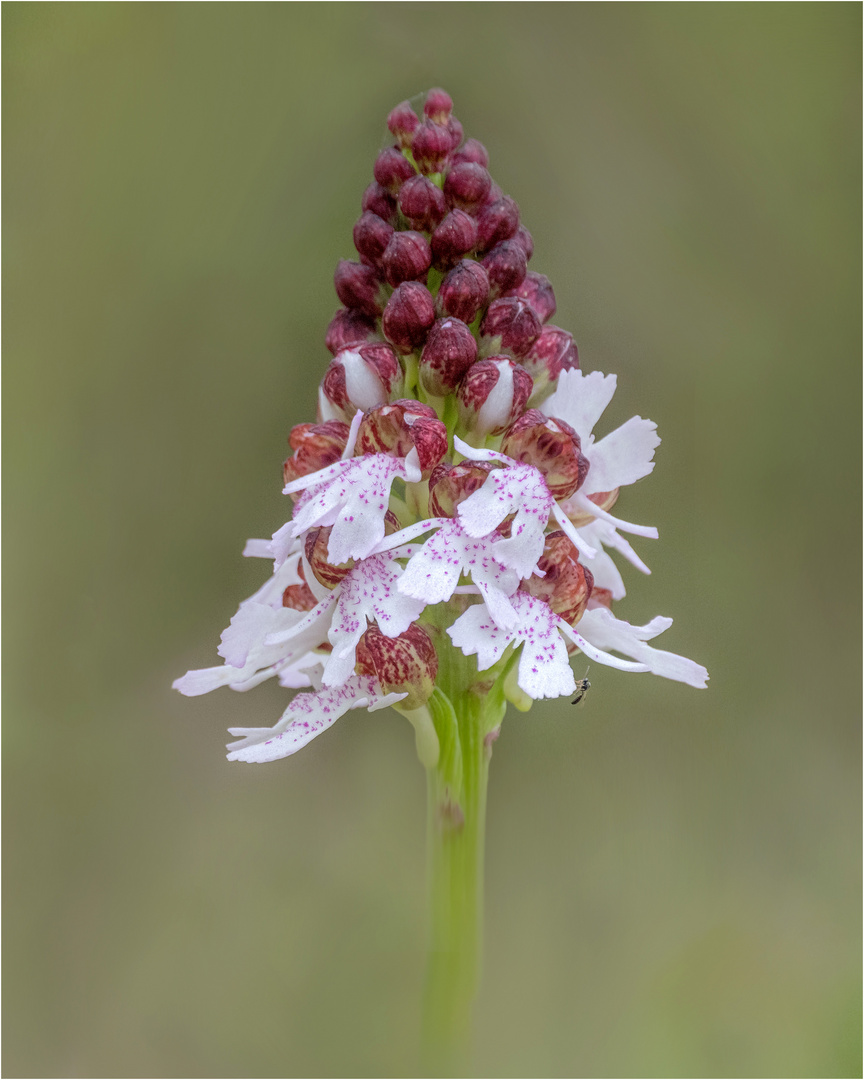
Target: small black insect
column 582, row 688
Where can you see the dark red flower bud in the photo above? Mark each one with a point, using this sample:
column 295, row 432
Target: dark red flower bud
column 371, row 236
column 509, row 325
column 379, row 201
column 406, row 664
column 422, row 203
column 315, row 447
column 537, row 290
column 299, row 597
column 506, row 266
column 316, row 547
column 349, row 327
column 450, row 485
column 398, row 428
column 567, row 584
column 495, row 193
column 403, row 122
column 497, row 221
column 492, row 394
column 467, row 185
column 464, row 291
column 407, row 257
column 550, row 445
column 438, row 105
column 554, row 351
column 359, row 286
column 449, row 351
column 473, row 150
column 409, row 313
column 526, row 240
column 431, row 144
column 454, row 237
column 361, row 378
column 392, row 169
column 456, row 132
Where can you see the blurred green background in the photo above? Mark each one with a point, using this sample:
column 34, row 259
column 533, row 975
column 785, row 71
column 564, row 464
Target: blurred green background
column 672, row 875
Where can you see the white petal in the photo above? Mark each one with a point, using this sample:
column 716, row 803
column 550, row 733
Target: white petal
column 433, row 573
column 257, row 549
column 582, row 502
column 601, row 628
column 544, row 668
column 203, row 680
column 249, row 628
column 622, row 457
column 580, row 400
column 476, row 634
column 363, row 388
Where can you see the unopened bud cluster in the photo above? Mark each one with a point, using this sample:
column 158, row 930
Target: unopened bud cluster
column 451, row 494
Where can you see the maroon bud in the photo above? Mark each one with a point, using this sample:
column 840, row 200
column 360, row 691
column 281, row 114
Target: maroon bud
column 398, row 428
column 497, row 221
column 450, row 485
column 430, row 147
column 422, row 203
column 526, row 240
column 506, row 266
column 316, row 547
column 554, row 351
column 349, row 327
column 438, row 105
column 315, row 447
column 509, row 325
column 361, row 378
column 495, row 193
column 456, row 132
column 567, row 584
column 403, row 122
column 467, row 185
column 406, row 664
column 550, row 445
column 449, row 351
column 378, row 201
column 299, row 597
column 605, row 500
column 454, row 237
column 392, row 169
column 537, row 290
column 492, row 394
column 464, row 291
column 407, row 257
column 371, row 236
column 409, row 313
column 475, row 151
column 359, row 286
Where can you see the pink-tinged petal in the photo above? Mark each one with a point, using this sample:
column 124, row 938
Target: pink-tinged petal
column 544, row 668
column 249, row 627
column 314, row 624
column 583, row 503
column 284, row 576
column 257, row 549
column 581, row 399
column 476, row 634
column 603, row 630
column 622, row 457
column 369, row 591
column 203, row 680
column 283, row 544
column 304, row 719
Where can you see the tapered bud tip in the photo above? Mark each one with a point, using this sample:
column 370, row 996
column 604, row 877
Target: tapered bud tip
column 449, row 352
column 450, row 485
column 464, row 291
column 315, row 447
column 537, row 290
column 552, row 352
column 566, row 585
column 403, row 122
column 422, row 203
column 454, row 237
column 526, row 240
column 438, row 105
column 349, row 327
column 497, row 221
column 409, row 313
column 456, row 132
column 407, row 257
column 492, row 395
column 550, row 445
column 474, row 151
column 371, row 236
column 359, row 286
column 430, row 146
column 467, row 185
column 404, row 664
column 401, row 427
column 392, row 169
column 506, row 266
column 509, row 325
column 377, row 200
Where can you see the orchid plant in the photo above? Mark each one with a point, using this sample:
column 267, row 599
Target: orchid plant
column 448, row 550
